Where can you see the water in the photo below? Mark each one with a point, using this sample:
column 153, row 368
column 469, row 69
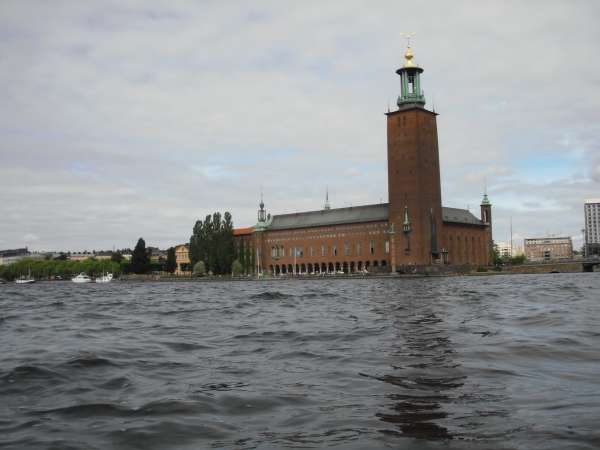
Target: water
column 477, row 362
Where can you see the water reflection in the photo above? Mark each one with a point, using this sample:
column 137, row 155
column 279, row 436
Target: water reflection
column 421, row 403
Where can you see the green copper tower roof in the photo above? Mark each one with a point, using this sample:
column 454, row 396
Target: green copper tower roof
column 410, row 82
column 486, row 200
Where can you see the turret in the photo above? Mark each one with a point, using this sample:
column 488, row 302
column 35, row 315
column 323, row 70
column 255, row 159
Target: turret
column 410, row 82
column 262, row 214
column 486, row 219
column 486, row 210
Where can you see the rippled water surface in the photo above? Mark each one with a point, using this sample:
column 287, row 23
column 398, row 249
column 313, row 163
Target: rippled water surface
column 477, row 362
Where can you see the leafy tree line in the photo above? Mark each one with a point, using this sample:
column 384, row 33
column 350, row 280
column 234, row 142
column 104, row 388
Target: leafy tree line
column 62, row 267
column 245, row 256
column 141, row 262
column 212, row 244
column 50, row 269
column 499, row 260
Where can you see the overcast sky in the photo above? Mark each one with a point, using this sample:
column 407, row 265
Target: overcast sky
column 127, row 119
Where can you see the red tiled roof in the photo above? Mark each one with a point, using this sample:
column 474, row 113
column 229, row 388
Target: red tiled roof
column 242, row 231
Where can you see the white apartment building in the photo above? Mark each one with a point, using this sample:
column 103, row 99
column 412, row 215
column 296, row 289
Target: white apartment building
column 592, row 221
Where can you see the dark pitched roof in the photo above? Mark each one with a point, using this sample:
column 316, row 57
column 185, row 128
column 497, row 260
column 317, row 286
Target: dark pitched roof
column 326, row 217
column 357, row 214
column 457, row 215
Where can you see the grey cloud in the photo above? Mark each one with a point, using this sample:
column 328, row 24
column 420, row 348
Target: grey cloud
column 290, row 96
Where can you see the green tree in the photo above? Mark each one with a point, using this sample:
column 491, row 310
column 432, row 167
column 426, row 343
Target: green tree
column 116, row 257
column 517, row 260
column 140, row 260
column 171, row 263
column 212, row 242
column 50, row 269
column 227, row 243
column 196, row 242
column 241, row 255
column 236, row 268
column 496, row 258
column 199, row 269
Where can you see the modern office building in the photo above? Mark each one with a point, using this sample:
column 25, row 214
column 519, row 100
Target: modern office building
column 591, row 211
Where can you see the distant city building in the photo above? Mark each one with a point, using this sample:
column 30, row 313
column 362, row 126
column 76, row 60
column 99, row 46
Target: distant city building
column 517, row 250
column 79, row 256
column 592, row 226
column 182, row 258
column 157, row 255
column 100, row 255
column 504, row 249
column 547, row 249
column 13, row 255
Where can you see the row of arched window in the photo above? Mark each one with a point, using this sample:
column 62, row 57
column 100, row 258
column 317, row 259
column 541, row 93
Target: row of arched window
column 329, row 268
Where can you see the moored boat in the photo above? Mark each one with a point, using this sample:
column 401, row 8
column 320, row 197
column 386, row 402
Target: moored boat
column 25, row 279
column 106, row 278
column 81, row 278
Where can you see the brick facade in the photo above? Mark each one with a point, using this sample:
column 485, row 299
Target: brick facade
column 348, row 248
column 548, row 249
column 412, row 231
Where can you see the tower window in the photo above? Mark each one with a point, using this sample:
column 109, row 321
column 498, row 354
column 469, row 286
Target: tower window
column 411, row 84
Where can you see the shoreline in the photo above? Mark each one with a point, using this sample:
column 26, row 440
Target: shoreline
column 526, row 269
column 160, row 278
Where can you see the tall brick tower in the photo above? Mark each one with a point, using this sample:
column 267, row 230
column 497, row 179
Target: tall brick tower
column 415, row 199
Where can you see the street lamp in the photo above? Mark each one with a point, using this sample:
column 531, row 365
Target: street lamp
column 444, row 253
column 392, row 232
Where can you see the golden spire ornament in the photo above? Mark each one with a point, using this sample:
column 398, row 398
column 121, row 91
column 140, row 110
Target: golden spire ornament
column 408, row 55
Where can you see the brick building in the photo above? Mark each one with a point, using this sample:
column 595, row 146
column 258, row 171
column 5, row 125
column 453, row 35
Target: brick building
column 410, row 232
column 548, row 249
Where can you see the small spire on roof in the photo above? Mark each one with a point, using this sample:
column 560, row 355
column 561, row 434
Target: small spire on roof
column 262, row 203
column 327, row 205
column 486, row 200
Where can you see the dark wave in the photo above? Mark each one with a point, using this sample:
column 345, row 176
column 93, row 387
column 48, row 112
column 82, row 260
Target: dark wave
column 91, row 361
column 185, row 346
column 25, row 373
column 481, row 363
column 269, row 335
column 154, row 408
column 88, row 410
column 270, row 295
column 116, row 383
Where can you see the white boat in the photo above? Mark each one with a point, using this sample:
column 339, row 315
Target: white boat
column 25, row 279
column 106, row 278
column 81, row 278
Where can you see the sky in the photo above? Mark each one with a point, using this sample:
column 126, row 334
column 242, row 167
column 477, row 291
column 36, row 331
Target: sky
column 127, row 119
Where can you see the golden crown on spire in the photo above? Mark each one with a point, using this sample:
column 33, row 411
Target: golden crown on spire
column 408, row 55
